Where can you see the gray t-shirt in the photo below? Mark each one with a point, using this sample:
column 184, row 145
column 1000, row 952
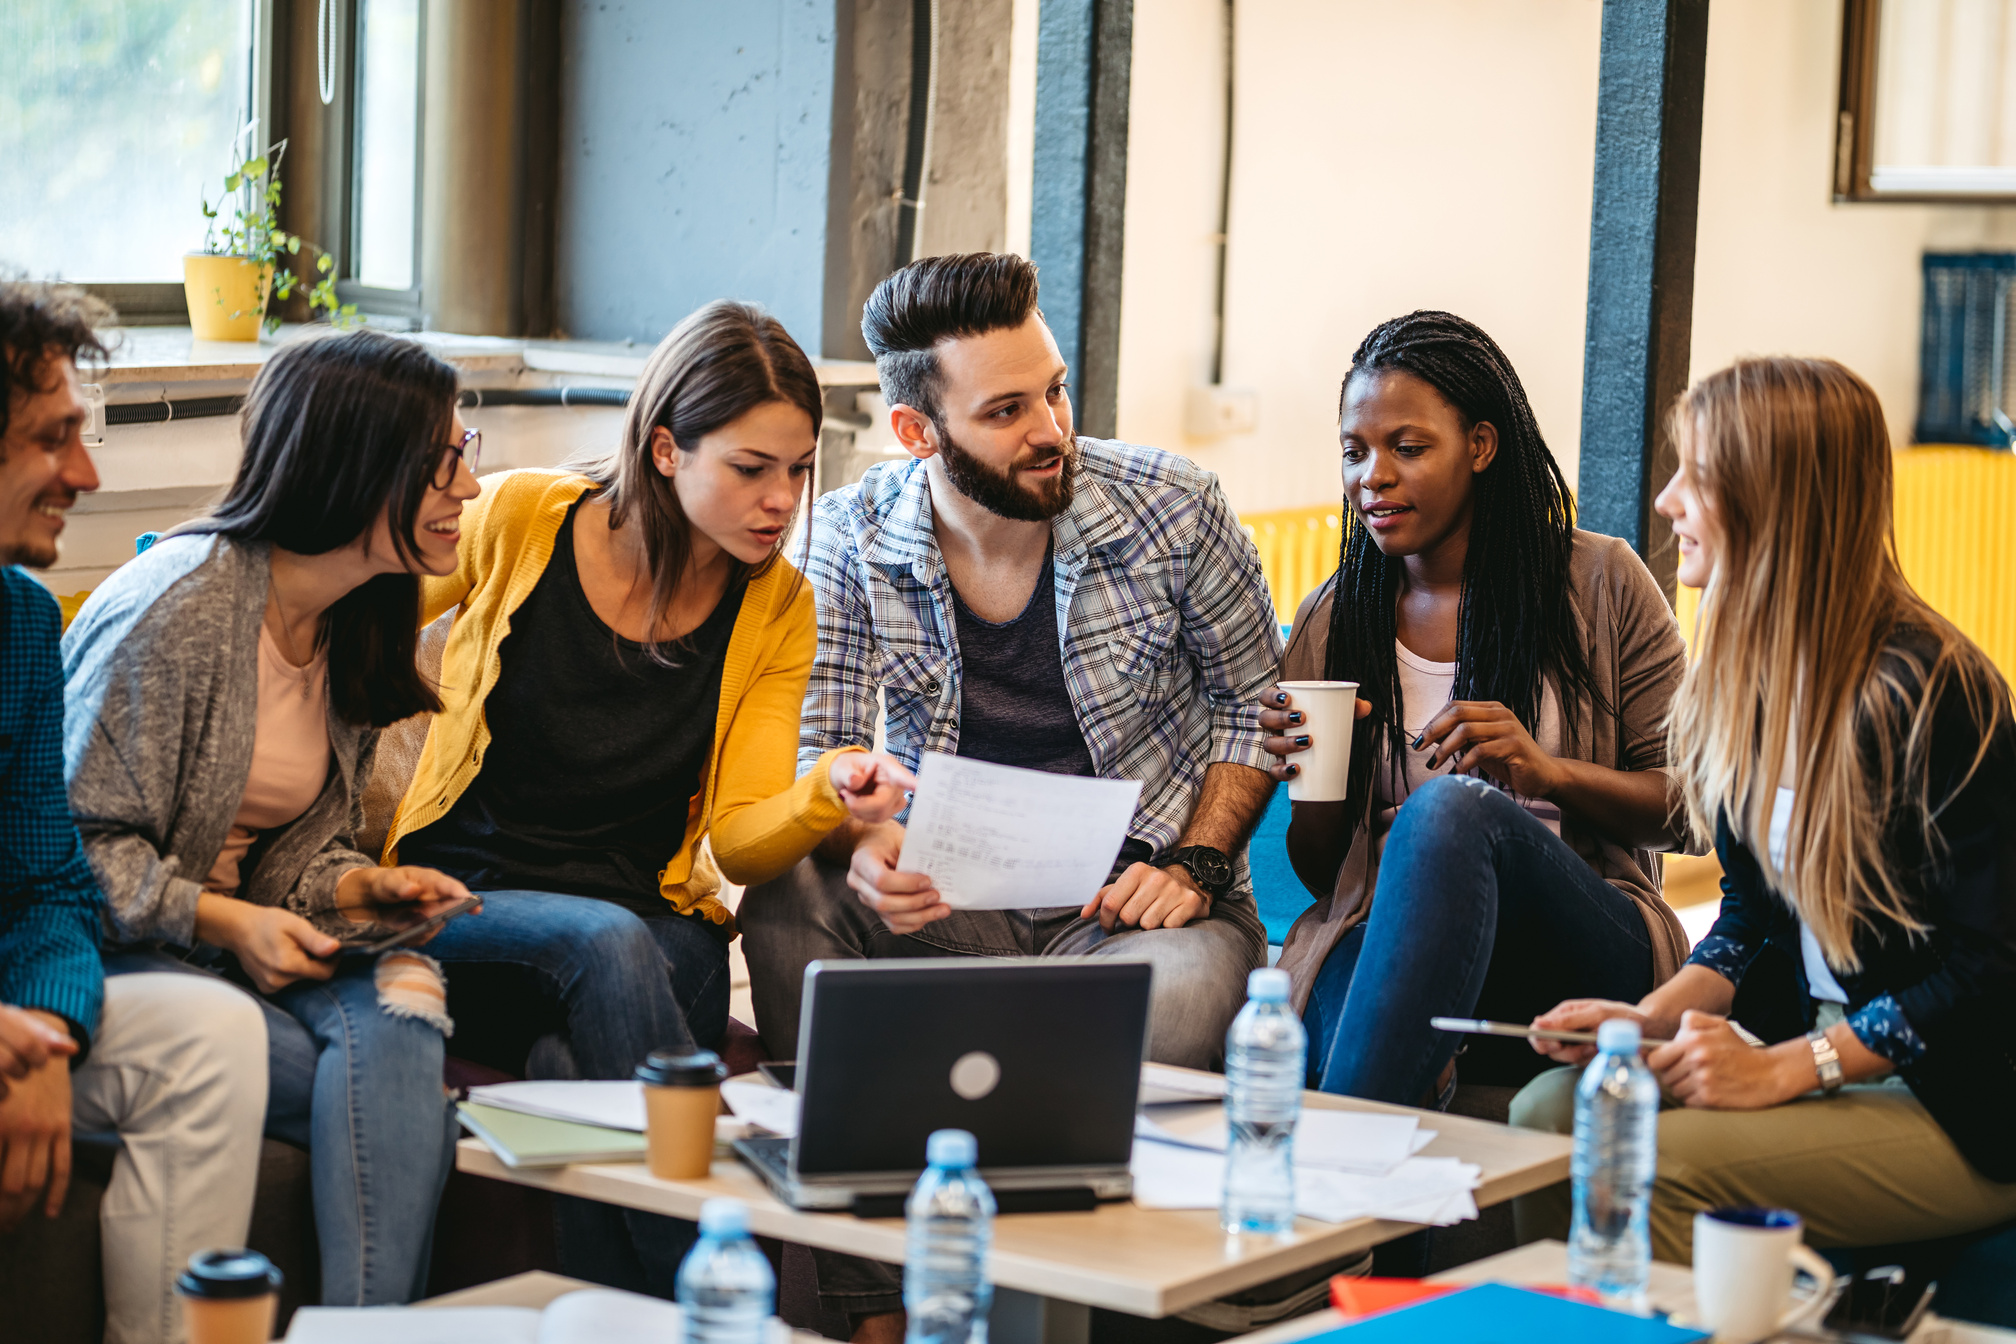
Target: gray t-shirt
column 1013, row 705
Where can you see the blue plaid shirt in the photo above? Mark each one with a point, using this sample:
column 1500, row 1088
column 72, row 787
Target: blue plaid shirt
column 1163, row 618
column 50, row 905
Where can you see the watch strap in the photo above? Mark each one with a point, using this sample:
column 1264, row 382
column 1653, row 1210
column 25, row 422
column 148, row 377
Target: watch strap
column 1826, row 1060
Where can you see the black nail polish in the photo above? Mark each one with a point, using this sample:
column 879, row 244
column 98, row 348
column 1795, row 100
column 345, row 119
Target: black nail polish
column 1294, row 770
column 1294, row 716
column 1302, row 741
column 1416, row 743
column 1281, row 697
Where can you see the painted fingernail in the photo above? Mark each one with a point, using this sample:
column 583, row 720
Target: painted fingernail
column 1416, row 743
column 1302, row 741
column 1294, row 716
column 1294, row 770
column 1281, row 697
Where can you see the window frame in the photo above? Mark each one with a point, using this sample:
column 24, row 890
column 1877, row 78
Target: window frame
column 1855, row 123
column 375, row 301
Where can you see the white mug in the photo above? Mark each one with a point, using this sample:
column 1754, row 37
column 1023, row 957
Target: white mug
column 1744, row 1261
column 1329, row 709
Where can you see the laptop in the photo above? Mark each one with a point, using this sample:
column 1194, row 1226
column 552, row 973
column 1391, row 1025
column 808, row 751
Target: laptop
column 1039, row 1057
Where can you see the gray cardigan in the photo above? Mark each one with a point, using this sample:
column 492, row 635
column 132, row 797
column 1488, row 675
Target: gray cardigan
column 1636, row 660
column 161, row 700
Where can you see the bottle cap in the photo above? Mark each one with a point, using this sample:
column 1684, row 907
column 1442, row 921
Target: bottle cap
column 228, row 1273
column 662, row 1068
column 1618, row 1036
column 951, row 1148
column 724, row 1218
column 1269, row 984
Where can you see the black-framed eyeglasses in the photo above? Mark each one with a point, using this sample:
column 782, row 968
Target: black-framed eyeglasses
column 469, row 451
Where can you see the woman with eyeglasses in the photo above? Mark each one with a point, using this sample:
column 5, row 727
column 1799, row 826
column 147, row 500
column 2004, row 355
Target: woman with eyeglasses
column 622, row 684
column 224, row 694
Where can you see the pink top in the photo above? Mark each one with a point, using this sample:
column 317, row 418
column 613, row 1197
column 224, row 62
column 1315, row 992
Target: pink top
column 290, row 756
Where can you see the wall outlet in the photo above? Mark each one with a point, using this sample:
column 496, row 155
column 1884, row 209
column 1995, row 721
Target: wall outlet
column 1217, row 411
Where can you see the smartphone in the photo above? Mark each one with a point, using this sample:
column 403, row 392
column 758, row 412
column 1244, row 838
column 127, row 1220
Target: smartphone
column 1881, row 1305
column 781, row 1073
column 406, row 936
column 1478, row 1027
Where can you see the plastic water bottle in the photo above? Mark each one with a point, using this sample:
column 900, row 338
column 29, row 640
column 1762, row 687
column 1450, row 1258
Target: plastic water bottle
column 1264, row 1068
column 1616, row 1153
column 725, row 1283
column 951, row 1212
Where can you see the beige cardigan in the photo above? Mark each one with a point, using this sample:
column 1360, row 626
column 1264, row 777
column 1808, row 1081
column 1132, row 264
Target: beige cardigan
column 1635, row 659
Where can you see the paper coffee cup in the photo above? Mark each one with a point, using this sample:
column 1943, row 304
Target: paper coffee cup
column 682, row 1096
column 1329, row 709
column 229, row 1297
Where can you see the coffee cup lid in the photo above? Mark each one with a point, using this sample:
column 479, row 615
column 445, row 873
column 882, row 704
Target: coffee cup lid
column 662, row 1068
column 228, row 1273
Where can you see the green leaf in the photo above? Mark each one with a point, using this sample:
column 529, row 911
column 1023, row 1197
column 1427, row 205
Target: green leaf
column 325, row 263
column 294, row 243
column 231, row 182
column 256, row 167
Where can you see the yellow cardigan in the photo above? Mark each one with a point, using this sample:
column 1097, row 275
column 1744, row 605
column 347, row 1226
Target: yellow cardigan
column 761, row 821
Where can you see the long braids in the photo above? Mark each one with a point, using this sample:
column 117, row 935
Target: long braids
column 1517, row 622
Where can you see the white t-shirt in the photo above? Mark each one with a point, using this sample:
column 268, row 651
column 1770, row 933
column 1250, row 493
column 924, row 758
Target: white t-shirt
column 1820, row 981
column 1425, row 690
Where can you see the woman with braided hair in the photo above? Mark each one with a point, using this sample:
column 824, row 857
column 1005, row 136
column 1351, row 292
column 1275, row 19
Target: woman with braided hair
column 1495, row 851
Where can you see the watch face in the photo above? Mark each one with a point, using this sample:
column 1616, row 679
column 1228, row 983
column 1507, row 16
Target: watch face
column 1211, row 866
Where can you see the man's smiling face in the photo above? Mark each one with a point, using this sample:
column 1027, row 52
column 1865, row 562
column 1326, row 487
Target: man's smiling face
column 43, row 463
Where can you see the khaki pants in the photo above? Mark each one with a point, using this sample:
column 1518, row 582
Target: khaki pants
column 1866, row 1167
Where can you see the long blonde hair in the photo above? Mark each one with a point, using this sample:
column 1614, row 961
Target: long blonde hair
column 1794, row 644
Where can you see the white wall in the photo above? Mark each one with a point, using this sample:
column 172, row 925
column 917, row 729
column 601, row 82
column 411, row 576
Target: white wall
column 1440, row 154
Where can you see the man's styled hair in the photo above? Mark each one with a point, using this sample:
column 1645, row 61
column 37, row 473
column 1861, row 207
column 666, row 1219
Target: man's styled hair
column 37, row 322
column 935, row 298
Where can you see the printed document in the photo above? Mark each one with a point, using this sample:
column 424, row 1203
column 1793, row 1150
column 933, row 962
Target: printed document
column 996, row 837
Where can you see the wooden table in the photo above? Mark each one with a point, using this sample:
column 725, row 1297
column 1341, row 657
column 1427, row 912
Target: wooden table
column 1050, row 1269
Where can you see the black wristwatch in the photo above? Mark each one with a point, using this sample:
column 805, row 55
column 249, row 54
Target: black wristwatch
column 1210, row 869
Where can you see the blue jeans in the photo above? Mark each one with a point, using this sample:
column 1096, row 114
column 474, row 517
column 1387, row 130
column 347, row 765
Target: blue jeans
column 361, row 1090
column 559, row 986
column 1482, row 911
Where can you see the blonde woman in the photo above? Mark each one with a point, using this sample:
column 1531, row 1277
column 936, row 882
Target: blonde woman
column 1853, row 754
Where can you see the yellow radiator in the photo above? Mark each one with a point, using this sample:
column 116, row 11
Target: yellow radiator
column 1956, row 538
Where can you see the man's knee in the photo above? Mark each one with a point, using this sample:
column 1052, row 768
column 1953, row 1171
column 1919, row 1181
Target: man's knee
column 1198, row 985
column 1548, row 1102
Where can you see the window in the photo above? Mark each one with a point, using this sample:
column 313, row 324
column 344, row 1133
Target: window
column 1928, row 101
column 116, row 117
column 387, row 152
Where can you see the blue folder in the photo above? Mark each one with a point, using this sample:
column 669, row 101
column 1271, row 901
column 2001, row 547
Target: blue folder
column 1493, row 1313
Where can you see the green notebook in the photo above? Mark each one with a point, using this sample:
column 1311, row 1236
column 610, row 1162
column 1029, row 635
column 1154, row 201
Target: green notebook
column 521, row 1140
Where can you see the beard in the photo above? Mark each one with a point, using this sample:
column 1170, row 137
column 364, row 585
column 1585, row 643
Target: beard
column 998, row 491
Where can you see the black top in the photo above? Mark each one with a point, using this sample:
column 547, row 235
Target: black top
column 595, row 752
column 1013, row 705
column 1956, row 982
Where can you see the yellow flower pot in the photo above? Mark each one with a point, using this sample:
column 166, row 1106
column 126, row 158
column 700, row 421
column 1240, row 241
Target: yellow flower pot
column 226, row 296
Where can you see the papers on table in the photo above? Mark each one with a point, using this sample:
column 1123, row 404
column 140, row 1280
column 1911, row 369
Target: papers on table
column 761, row 1104
column 1161, row 1085
column 612, row 1105
column 586, row 1316
column 995, row 837
column 1348, row 1164
column 1360, row 1141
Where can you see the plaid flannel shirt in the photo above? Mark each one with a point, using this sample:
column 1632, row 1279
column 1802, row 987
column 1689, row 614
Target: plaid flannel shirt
column 1163, row 616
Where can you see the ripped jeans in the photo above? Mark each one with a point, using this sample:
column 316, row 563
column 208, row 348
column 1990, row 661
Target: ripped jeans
column 361, row 1090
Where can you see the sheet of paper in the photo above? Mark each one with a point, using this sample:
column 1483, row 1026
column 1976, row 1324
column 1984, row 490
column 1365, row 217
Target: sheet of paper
column 761, row 1104
column 406, row 1325
column 1360, row 1141
column 995, row 837
column 612, row 1105
column 1161, row 1085
column 1434, row 1190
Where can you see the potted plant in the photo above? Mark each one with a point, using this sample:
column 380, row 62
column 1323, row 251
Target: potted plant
column 229, row 283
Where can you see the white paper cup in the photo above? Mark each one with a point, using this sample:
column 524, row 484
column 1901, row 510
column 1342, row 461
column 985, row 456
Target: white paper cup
column 1744, row 1260
column 1329, row 708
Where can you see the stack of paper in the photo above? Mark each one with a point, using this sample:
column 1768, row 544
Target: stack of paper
column 611, row 1105
column 1348, row 1164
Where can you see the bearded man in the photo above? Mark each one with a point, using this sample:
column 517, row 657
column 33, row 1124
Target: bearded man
column 1015, row 593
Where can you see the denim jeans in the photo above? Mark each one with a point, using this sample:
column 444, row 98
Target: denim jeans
column 559, row 986
column 361, row 1090
column 1480, row 910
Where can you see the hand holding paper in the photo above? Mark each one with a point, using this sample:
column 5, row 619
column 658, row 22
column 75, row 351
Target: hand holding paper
column 994, row 837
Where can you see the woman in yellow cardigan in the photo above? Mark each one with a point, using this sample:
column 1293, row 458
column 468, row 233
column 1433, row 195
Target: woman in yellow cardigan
column 623, row 680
